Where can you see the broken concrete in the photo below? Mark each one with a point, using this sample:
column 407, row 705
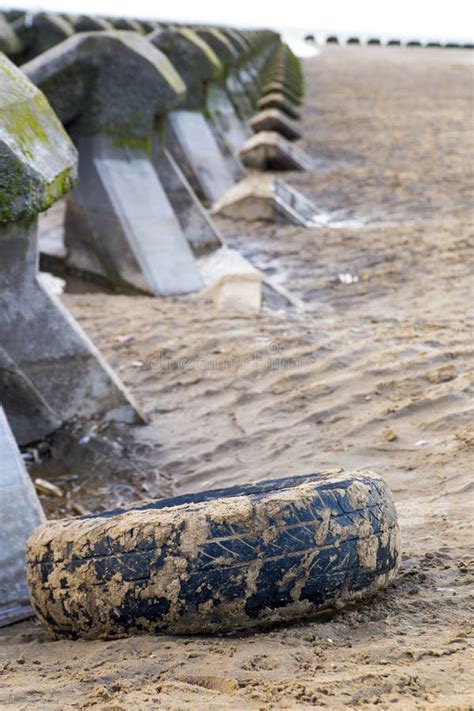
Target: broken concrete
column 20, row 514
column 111, row 88
column 261, row 197
column 49, row 370
column 270, row 151
column 275, row 120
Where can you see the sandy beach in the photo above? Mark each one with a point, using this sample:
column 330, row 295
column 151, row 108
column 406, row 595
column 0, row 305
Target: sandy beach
column 375, row 372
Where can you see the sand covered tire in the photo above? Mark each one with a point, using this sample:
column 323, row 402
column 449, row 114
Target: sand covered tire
column 219, row 560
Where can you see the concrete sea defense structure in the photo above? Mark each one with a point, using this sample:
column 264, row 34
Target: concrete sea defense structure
column 39, row 32
column 262, row 197
column 228, row 54
column 114, row 90
column 268, row 150
column 20, row 514
column 49, row 370
column 194, row 148
column 9, row 41
column 279, row 100
column 88, row 23
column 199, row 145
column 275, row 120
column 197, row 130
column 282, row 91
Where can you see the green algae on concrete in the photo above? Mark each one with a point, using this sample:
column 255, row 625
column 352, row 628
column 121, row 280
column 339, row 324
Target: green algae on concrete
column 37, row 159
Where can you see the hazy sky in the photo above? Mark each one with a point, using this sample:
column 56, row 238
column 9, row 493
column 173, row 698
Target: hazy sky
column 417, row 18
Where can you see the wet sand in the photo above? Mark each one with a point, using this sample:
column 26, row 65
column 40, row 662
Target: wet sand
column 376, row 372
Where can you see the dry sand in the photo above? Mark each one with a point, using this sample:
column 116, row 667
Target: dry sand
column 377, row 373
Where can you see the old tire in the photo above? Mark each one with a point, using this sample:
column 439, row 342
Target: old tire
column 220, row 560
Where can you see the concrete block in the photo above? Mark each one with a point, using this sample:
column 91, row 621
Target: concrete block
column 277, row 100
column 193, row 145
column 279, row 86
column 196, row 224
column 45, row 31
column 120, row 221
column 89, row 23
column 261, row 197
column 38, row 162
column 121, row 225
column 27, row 409
column 194, row 60
column 228, row 55
column 275, row 120
column 270, row 151
column 9, row 41
column 126, row 23
column 247, row 73
column 225, row 118
column 233, row 284
column 201, row 71
column 49, row 370
column 113, row 82
column 52, row 357
column 20, row 514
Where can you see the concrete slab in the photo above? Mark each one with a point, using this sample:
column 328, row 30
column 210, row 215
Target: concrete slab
column 27, row 409
column 20, row 514
column 194, row 147
column 275, row 120
column 246, row 71
column 270, row 151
